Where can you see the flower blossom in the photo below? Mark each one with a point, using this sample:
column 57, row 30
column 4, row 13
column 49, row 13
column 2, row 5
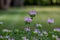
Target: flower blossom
column 36, row 31
column 32, row 13
column 28, row 19
column 27, row 29
column 50, row 21
column 57, row 29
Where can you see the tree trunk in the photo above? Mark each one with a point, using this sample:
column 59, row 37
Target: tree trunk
column 4, row 4
column 51, row 2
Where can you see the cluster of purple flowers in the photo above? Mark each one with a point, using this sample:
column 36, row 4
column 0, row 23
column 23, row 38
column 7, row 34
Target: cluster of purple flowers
column 50, row 21
column 32, row 13
column 57, row 29
column 27, row 29
column 37, row 30
column 28, row 19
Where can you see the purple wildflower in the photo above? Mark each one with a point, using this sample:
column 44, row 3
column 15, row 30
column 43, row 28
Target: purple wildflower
column 32, row 12
column 50, row 21
column 36, row 31
column 1, row 36
column 28, row 19
column 58, row 38
column 57, row 29
column 27, row 29
column 12, row 39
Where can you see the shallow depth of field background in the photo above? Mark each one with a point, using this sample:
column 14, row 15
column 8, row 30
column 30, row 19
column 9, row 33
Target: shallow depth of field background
column 13, row 18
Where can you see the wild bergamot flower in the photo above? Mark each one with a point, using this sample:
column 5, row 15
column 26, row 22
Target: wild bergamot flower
column 28, row 20
column 50, row 21
column 32, row 14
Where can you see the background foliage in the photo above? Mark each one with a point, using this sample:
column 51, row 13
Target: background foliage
column 42, row 2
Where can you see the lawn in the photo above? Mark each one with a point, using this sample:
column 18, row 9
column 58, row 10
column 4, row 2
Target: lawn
column 14, row 18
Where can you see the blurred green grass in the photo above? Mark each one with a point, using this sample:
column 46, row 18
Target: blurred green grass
column 14, row 17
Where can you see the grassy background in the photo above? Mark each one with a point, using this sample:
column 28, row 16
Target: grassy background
column 14, row 17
